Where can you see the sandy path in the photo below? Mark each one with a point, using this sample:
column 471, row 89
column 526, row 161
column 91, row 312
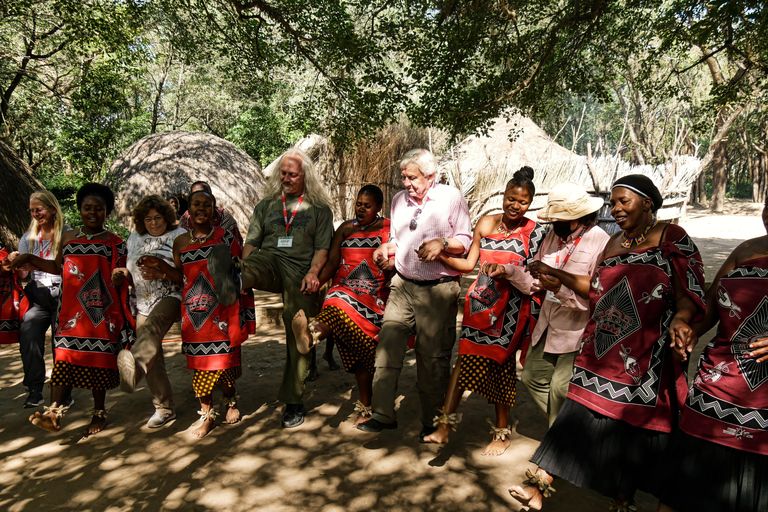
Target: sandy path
column 255, row 465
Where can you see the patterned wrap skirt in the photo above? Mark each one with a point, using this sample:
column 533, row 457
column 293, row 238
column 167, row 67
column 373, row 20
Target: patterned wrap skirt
column 355, row 347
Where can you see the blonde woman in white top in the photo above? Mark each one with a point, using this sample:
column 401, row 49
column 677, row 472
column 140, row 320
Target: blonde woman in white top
column 43, row 238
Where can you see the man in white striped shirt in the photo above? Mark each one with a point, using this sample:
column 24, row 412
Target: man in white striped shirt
column 427, row 219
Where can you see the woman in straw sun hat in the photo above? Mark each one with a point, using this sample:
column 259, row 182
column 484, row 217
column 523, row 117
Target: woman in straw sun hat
column 573, row 245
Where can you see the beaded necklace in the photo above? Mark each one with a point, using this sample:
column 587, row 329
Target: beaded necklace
column 637, row 240
column 90, row 237
column 199, row 239
column 363, row 228
column 507, row 232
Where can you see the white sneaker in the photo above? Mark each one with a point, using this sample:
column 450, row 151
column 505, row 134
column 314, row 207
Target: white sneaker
column 157, row 420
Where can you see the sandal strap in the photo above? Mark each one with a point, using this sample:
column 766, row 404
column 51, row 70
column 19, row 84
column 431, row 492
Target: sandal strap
column 58, row 410
column 500, row 433
column 618, row 505
column 535, row 479
column 98, row 413
column 210, row 414
column 364, row 410
column 451, row 420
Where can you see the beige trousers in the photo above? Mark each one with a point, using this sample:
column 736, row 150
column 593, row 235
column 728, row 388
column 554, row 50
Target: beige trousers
column 430, row 313
column 148, row 351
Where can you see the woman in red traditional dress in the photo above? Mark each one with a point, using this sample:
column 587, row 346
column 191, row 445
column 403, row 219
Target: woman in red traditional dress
column 354, row 306
column 10, row 298
column 211, row 333
column 93, row 321
column 626, row 390
column 497, row 316
column 719, row 462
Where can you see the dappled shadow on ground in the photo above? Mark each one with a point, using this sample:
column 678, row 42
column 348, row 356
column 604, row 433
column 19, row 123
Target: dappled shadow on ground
column 324, row 465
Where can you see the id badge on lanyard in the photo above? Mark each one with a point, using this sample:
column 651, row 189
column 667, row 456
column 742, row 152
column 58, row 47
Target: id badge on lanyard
column 287, row 240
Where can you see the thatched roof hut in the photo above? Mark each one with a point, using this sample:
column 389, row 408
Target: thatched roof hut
column 373, row 161
column 481, row 165
column 18, row 184
column 169, row 162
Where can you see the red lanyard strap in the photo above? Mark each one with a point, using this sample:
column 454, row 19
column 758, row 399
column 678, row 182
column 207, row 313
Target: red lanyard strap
column 567, row 256
column 40, row 246
column 289, row 223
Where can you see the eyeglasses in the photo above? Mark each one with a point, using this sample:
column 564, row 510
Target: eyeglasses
column 414, row 221
column 35, row 211
column 156, row 220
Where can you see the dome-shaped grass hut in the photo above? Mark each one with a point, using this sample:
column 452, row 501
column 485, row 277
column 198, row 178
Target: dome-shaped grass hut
column 18, row 184
column 169, row 162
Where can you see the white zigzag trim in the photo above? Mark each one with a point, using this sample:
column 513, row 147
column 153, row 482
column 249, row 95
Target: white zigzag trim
column 206, row 348
column 86, row 344
column 364, row 311
column 722, row 413
column 369, row 241
column 197, row 254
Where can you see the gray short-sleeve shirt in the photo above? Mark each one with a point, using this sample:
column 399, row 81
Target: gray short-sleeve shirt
column 312, row 230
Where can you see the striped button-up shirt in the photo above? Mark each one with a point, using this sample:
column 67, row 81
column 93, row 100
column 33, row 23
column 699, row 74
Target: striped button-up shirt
column 443, row 214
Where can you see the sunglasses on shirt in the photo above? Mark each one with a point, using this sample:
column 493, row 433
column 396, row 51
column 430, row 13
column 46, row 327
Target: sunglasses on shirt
column 414, row 221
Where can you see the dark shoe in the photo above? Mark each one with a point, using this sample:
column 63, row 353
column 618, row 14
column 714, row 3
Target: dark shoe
column 293, row 416
column 126, row 365
column 68, row 401
column 35, row 399
column 426, row 430
column 373, row 425
column 226, row 281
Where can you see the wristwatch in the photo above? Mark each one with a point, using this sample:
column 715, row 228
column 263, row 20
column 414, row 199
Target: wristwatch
column 445, row 243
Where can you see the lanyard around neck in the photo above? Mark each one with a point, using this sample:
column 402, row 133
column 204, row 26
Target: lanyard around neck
column 570, row 251
column 289, row 223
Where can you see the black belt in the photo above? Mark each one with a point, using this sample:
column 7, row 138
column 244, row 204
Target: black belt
column 431, row 282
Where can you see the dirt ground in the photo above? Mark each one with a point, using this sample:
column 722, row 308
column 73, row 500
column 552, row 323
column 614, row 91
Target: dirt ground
column 256, row 465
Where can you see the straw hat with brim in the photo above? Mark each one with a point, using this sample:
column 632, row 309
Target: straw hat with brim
column 569, row 201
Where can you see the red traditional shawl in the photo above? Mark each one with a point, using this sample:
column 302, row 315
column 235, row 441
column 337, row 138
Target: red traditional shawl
column 728, row 400
column 497, row 316
column 10, row 300
column 625, row 369
column 360, row 288
column 94, row 321
column 211, row 332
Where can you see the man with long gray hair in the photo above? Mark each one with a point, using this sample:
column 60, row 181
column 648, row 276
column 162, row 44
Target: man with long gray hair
column 427, row 219
column 285, row 249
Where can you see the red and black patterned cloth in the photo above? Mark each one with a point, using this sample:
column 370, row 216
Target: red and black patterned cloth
column 10, row 305
column 625, row 370
column 211, row 332
column 728, row 399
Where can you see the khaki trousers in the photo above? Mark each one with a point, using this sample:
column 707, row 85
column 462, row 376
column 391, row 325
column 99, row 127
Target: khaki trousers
column 148, row 351
column 547, row 376
column 430, row 313
column 261, row 270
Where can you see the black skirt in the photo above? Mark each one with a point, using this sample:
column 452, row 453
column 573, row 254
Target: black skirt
column 606, row 455
column 708, row 477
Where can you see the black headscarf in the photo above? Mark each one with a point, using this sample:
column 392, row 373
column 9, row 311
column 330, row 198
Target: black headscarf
column 642, row 185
